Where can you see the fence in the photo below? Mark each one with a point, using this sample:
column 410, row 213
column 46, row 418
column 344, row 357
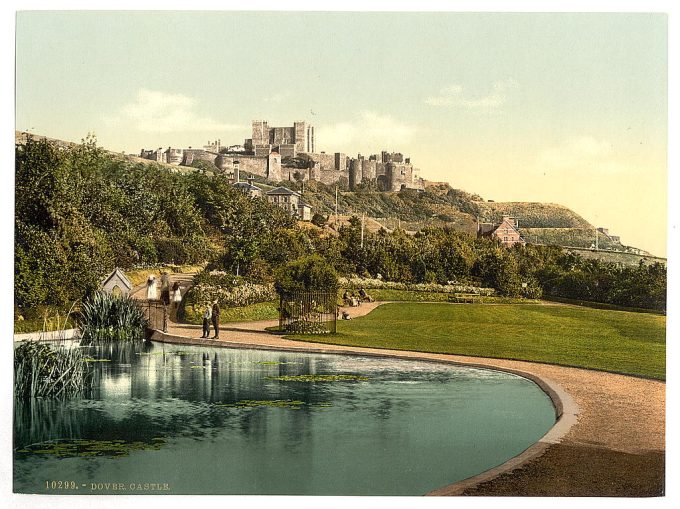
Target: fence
column 156, row 313
column 308, row 312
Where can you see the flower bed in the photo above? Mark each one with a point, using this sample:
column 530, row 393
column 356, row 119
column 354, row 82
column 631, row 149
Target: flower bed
column 379, row 284
column 230, row 291
column 305, row 327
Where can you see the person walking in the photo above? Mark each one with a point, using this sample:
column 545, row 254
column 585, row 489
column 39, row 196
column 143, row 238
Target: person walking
column 176, row 294
column 165, row 288
column 207, row 315
column 151, row 288
column 216, row 319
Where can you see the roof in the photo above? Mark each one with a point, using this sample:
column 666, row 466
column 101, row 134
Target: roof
column 120, row 275
column 303, row 204
column 282, row 191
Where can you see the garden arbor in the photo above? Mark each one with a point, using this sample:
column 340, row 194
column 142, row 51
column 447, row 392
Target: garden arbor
column 308, row 312
column 308, row 290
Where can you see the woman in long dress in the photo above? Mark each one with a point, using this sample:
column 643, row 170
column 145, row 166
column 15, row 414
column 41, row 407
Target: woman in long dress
column 176, row 294
column 151, row 288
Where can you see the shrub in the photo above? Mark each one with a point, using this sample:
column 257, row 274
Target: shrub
column 306, row 327
column 319, row 220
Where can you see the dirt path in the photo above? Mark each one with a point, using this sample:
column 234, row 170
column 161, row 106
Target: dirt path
column 616, row 447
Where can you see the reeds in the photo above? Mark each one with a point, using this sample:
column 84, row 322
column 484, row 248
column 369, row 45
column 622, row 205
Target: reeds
column 105, row 317
column 43, row 371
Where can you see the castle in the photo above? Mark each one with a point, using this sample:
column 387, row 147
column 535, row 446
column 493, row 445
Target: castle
column 287, row 153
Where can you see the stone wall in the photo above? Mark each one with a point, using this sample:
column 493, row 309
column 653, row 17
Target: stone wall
column 326, row 162
column 252, row 164
column 282, row 135
column 190, row 155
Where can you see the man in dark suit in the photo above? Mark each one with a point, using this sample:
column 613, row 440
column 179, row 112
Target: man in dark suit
column 216, row 319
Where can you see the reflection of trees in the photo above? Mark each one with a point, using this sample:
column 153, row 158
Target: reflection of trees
column 173, row 392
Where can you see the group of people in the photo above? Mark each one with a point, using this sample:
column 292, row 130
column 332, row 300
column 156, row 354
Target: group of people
column 211, row 314
column 354, row 300
column 166, row 293
column 173, row 294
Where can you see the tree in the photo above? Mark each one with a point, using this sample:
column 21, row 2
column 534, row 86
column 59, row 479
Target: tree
column 308, row 273
column 319, row 220
column 498, row 269
column 203, row 165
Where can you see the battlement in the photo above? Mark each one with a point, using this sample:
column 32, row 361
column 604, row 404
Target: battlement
column 263, row 154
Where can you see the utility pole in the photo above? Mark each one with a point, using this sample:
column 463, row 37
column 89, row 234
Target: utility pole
column 596, row 240
column 336, row 204
column 362, row 230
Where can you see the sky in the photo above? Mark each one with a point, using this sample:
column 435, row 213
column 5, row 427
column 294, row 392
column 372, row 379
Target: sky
column 568, row 108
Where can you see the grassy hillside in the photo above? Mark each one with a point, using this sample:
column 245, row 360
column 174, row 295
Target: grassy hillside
column 574, row 237
column 532, row 214
column 630, row 259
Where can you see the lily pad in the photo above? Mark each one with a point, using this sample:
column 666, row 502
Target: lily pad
column 275, row 403
column 72, row 448
column 318, row 378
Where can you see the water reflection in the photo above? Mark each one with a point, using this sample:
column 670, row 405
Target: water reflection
column 413, row 426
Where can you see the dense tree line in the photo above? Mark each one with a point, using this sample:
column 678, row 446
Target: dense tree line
column 80, row 212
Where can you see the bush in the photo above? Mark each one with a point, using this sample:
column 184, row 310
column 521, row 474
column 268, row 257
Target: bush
column 319, row 220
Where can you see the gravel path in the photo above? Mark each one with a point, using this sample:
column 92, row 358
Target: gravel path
column 616, row 447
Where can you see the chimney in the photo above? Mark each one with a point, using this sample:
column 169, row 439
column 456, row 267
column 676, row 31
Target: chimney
column 237, row 175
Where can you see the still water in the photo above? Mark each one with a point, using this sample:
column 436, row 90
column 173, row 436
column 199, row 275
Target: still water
column 188, row 420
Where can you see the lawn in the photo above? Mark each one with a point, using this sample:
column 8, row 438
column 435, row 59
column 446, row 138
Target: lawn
column 253, row 312
column 618, row 341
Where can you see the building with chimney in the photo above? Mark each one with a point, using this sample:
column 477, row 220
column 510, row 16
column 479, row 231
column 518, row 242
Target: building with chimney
column 507, row 232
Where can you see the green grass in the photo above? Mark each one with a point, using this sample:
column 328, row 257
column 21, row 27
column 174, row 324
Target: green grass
column 42, row 324
column 254, row 312
column 617, row 341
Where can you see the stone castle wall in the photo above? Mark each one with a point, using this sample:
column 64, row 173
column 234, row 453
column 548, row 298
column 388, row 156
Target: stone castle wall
column 389, row 170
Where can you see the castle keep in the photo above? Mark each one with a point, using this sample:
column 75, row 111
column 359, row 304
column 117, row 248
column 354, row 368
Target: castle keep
column 287, row 141
column 287, row 153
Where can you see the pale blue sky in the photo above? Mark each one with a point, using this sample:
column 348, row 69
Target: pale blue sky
column 567, row 108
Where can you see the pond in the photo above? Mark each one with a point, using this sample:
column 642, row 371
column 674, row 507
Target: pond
column 189, row 420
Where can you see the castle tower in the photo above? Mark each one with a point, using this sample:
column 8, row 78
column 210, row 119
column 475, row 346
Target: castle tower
column 274, row 167
column 260, row 132
column 368, row 169
column 355, row 173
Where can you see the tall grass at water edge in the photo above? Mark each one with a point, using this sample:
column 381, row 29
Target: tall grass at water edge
column 106, row 317
column 44, row 371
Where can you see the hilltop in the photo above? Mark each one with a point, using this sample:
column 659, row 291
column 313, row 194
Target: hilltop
column 438, row 204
